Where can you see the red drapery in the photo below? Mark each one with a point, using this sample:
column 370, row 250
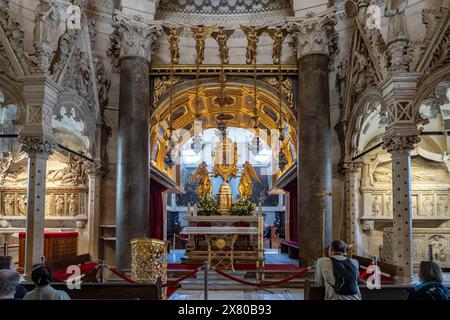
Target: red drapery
column 156, row 211
column 293, row 211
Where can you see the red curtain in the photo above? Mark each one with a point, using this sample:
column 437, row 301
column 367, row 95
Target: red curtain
column 156, row 212
column 293, row 210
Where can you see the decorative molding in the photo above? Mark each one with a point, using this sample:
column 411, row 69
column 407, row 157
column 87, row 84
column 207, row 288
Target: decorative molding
column 313, row 34
column 132, row 37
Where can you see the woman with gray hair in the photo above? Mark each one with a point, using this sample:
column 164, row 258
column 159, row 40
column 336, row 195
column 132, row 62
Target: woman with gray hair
column 9, row 282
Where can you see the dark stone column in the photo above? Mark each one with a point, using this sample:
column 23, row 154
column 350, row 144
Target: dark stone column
column 132, row 157
column 131, row 51
column 314, row 158
column 311, row 41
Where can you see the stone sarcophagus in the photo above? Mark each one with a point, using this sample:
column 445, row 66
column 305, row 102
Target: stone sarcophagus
column 424, row 239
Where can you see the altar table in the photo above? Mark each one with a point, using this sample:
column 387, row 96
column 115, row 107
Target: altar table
column 220, row 241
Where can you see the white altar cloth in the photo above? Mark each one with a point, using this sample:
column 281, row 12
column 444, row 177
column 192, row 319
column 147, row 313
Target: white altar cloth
column 219, row 230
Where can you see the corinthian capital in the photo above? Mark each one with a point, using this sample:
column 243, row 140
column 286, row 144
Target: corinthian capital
column 314, row 33
column 132, row 37
column 401, row 139
column 37, row 145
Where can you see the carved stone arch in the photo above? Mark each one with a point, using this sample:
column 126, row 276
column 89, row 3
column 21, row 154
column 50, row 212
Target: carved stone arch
column 82, row 113
column 367, row 100
column 428, row 86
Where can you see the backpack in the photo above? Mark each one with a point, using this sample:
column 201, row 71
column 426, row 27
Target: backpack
column 346, row 277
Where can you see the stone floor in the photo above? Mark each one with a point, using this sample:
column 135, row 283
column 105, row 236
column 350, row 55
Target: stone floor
column 272, row 294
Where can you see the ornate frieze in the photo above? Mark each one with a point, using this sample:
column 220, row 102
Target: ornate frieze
column 313, row 34
column 132, row 37
column 162, row 84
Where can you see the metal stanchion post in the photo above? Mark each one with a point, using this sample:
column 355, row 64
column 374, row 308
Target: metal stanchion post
column 101, row 269
column 206, row 268
column 5, row 248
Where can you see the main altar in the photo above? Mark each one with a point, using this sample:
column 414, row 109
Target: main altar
column 219, row 230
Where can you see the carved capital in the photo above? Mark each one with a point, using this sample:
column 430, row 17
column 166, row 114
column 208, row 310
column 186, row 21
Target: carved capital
column 132, row 37
column 313, row 34
column 401, row 142
column 37, row 145
column 350, row 166
column 92, row 168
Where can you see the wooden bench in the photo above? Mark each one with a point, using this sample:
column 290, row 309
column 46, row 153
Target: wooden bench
column 387, row 292
column 289, row 247
column 109, row 291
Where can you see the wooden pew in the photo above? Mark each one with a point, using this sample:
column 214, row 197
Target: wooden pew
column 387, row 292
column 110, row 291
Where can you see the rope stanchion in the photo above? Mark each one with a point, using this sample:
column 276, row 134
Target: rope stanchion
column 121, row 275
column 189, row 275
column 265, row 284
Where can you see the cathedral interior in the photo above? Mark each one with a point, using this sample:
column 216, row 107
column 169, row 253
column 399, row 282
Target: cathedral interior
column 129, row 127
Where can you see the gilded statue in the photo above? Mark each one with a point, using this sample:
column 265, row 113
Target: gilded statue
column 173, row 36
column 252, row 39
column 246, row 184
column 221, row 37
column 45, row 15
column 278, row 34
column 201, row 176
column 200, row 33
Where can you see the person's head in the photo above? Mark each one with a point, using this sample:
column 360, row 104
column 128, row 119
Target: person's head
column 9, row 282
column 41, row 275
column 430, row 271
column 337, row 247
column 7, row 262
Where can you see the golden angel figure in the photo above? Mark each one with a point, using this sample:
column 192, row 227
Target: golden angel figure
column 201, row 176
column 221, row 37
column 278, row 34
column 173, row 36
column 200, row 33
column 252, row 39
column 246, row 184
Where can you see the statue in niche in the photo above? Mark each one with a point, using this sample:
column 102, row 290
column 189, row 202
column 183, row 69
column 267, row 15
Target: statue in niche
column 427, row 207
column 388, row 205
column 376, row 205
column 45, row 16
column 359, row 74
column 22, row 205
column 439, row 247
column 73, row 173
column 442, row 206
column 59, row 205
column 368, row 170
column 8, row 203
column 73, row 205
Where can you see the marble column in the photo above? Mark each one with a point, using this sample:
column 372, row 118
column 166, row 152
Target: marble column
column 131, row 45
column 94, row 207
column 402, row 133
column 38, row 151
column 350, row 170
column 311, row 35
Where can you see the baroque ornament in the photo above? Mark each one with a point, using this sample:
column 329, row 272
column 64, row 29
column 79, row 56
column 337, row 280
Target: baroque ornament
column 313, row 34
column 132, row 37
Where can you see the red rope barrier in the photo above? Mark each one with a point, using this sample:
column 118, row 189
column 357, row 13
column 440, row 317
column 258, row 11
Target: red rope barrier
column 86, row 270
column 189, row 275
column 121, row 275
column 266, row 284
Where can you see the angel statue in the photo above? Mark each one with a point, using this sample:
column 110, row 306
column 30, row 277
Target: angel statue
column 200, row 33
column 246, row 184
column 221, row 37
column 173, row 36
column 45, row 15
column 278, row 34
column 252, row 39
column 201, row 176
